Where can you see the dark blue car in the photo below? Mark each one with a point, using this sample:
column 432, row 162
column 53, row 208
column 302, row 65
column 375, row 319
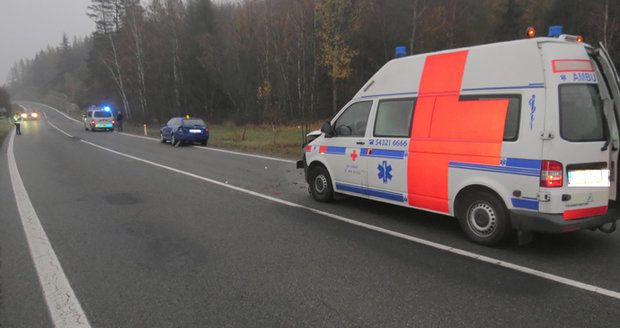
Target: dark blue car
column 184, row 130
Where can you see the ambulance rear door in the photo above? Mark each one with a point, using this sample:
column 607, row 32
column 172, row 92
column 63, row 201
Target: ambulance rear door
column 609, row 86
column 575, row 167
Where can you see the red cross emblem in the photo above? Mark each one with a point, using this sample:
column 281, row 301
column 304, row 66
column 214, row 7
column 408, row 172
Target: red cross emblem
column 354, row 155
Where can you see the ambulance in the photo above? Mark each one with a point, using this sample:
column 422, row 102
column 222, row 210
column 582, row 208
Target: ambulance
column 513, row 136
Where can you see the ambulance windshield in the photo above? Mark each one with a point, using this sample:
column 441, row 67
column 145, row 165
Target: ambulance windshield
column 581, row 113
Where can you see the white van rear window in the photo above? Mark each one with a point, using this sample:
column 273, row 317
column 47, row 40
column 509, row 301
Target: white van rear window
column 581, row 113
column 103, row 114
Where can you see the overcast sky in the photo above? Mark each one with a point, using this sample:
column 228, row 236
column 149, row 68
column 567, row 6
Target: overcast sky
column 27, row 26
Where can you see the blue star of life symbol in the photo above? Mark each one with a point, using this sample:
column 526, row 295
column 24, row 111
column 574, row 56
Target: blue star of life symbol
column 563, row 77
column 385, row 171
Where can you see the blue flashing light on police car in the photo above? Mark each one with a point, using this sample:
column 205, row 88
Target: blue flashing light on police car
column 555, row 31
column 401, row 51
column 106, row 108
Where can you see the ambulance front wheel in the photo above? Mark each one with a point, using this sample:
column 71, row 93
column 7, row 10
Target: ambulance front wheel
column 483, row 218
column 321, row 186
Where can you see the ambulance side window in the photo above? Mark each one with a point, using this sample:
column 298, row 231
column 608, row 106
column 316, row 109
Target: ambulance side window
column 353, row 121
column 513, row 115
column 394, row 118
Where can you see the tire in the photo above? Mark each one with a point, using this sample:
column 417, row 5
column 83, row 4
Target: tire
column 161, row 138
column 85, row 128
column 203, row 143
column 321, row 187
column 92, row 129
column 484, row 218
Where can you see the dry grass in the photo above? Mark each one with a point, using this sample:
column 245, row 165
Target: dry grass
column 5, row 127
column 279, row 140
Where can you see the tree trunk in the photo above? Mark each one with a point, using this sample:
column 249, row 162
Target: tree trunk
column 118, row 76
column 334, row 96
column 140, row 67
column 176, row 74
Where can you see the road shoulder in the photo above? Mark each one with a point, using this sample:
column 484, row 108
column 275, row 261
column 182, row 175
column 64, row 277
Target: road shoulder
column 21, row 300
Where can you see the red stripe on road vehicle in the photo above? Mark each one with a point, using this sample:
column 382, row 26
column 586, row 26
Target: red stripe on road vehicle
column 584, row 213
column 445, row 129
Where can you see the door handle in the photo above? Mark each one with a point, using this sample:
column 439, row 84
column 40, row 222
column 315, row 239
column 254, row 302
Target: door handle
column 360, row 143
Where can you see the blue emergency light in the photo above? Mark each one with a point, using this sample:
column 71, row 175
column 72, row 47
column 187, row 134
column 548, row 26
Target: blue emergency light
column 401, row 51
column 106, row 108
column 555, row 31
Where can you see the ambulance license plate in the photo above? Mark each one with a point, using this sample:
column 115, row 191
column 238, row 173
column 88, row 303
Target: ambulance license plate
column 195, row 130
column 588, row 178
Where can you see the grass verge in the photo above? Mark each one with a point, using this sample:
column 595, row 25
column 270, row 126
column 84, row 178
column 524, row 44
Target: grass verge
column 278, row 140
column 5, row 127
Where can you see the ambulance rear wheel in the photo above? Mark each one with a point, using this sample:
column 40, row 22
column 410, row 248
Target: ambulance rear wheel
column 321, row 185
column 483, row 218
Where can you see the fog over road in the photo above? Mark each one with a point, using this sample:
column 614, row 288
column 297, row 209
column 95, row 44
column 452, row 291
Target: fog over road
column 150, row 236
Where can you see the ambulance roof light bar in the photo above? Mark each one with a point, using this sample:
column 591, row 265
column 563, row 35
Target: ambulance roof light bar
column 571, row 38
column 555, row 31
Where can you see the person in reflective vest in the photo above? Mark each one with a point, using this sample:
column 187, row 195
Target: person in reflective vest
column 17, row 120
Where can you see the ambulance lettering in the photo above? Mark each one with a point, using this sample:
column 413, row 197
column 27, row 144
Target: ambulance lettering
column 446, row 130
column 584, row 77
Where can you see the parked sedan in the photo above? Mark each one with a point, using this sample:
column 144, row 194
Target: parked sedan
column 184, row 130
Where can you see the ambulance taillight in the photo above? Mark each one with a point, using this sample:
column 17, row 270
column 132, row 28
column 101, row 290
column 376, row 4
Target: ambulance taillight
column 551, row 174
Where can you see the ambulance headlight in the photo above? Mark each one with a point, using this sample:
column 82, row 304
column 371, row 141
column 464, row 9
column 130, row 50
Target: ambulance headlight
column 24, row 115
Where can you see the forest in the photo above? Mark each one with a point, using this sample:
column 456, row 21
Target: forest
column 272, row 61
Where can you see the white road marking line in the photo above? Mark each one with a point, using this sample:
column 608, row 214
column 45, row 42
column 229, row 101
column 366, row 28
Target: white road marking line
column 59, row 112
column 203, row 148
column 446, row 248
column 64, row 307
column 24, row 108
column 217, row 149
column 139, row 137
column 55, row 127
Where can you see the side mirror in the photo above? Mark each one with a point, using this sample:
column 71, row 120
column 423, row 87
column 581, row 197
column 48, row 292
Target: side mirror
column 328, row 130
column 83, row 115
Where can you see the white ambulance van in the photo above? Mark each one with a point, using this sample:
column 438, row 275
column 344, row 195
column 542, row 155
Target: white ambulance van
column 519, row 135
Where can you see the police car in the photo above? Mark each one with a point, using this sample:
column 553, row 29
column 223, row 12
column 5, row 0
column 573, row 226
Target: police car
column 99, row 119
column 519, row 135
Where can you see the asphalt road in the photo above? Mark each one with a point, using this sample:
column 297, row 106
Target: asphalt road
column 143, row 246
